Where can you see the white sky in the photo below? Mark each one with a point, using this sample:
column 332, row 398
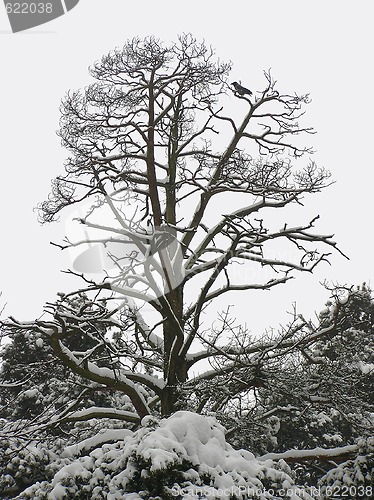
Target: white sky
column 321, row 47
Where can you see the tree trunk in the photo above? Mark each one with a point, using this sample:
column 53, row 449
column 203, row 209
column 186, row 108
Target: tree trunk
column 175, row 367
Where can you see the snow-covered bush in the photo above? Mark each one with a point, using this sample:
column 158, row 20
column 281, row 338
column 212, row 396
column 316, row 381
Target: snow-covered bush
column 321, row 398
column 184, row 456
column 24, row 463
column 353, row 478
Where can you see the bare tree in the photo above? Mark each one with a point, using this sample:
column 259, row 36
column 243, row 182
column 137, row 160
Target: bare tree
column 192, row 191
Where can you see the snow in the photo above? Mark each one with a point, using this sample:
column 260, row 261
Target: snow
column 11, row 385
column 186, row 437
column 118, row 464
column 315, row 452
column 195, row 355
column 366, row 368
column 57, row 493
column 31, row 393
column 131, row 292
column 145, row 378
column 103, row 412
column 105, row 436
column 76, row 469
column 39, row 342
column 104, row 372
column 201, row 439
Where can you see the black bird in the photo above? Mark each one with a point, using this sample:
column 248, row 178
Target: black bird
column 240, row 89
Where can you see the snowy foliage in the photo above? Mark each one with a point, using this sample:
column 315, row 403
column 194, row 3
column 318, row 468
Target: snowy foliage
column 355, row 476
column 22, row 464
column 185, row 456
column 320, row 397
column 37, row 388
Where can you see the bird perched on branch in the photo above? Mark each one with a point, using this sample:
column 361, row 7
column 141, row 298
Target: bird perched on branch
column 240, row 89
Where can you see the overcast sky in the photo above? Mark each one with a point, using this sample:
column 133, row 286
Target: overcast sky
column 321, row 47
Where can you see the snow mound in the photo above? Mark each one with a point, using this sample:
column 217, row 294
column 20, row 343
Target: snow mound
column 197, row 439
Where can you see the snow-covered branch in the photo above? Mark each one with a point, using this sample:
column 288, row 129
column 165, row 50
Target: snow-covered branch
column 319, row 454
